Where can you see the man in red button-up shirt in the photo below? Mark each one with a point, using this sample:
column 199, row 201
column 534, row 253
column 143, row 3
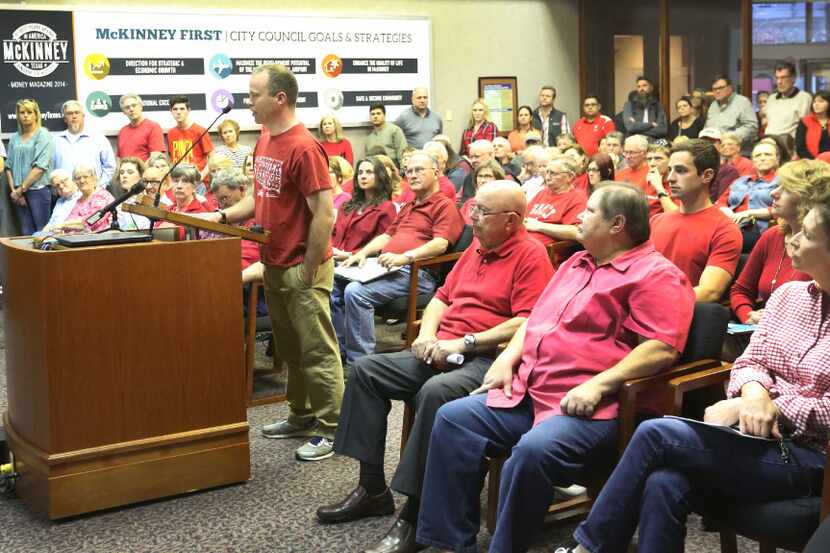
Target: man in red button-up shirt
column 617, row 311
column 487, row 296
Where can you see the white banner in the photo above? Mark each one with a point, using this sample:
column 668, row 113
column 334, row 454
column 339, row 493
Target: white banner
column 343, row 64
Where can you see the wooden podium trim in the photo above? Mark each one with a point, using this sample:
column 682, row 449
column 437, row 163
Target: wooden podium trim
column 152, row 212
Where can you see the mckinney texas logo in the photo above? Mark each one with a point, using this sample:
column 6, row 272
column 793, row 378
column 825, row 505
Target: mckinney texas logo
column 35, row 50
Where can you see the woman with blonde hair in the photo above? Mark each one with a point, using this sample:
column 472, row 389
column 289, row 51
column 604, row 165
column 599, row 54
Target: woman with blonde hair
column 231, row 148
column 478, row 128
column 334, row 142
column 28, row 165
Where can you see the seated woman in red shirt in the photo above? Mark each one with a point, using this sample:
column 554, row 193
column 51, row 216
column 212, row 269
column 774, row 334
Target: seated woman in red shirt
column 369, row 211
column 332, row 139
column 479, row 128
column 553, row 213
column 812, row 136
column 487, row 172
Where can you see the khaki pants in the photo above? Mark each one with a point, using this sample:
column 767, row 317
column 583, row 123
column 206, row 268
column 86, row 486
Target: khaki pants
column 304, row 338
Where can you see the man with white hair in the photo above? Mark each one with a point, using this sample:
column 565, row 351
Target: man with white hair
column 424, row 227
column 481, row 151
column 77, row 145
column 141, row 137
column 636, row 171
column 535, row 159
column 503, row 153
column 419, row 124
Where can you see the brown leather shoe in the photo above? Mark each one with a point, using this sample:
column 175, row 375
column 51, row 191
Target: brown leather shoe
column 399, row 539
column 358, row 504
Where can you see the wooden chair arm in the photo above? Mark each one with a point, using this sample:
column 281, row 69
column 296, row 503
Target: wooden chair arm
column 412, row 299
column 680, row 385
column 436, row 260
column 657, row 387
column 825, row 491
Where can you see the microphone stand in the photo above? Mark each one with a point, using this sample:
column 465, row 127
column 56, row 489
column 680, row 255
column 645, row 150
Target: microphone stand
column 157, row 199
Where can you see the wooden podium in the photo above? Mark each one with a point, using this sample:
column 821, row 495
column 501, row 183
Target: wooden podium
column 125, row 372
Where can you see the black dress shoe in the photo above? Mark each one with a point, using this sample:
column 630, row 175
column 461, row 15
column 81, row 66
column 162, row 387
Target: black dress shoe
column 399, row 539
column 358, row 504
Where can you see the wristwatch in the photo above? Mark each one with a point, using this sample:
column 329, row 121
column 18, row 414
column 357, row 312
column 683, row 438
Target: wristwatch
column 661, row 195
column 409, row 257
column 470, row 342
column 223, row 217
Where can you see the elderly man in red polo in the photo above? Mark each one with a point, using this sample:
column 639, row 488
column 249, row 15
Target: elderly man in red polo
column 616, row 311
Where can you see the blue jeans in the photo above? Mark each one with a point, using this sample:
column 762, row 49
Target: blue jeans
column 549, row 454
column 353, row 308
column 34, row 216
column 670, row 465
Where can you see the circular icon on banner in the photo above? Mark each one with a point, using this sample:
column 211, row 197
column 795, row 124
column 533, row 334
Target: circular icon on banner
column 332, row 66
column 333, row 98
column 98, row 103
column 96, row 66
column 221, row 98
column 220, row 66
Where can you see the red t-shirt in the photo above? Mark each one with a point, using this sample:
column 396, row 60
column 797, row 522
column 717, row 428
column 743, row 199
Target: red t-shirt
column 417, row 224
column 195, row 206
column 639, row 178
column 695, row 241
column 180, row 140
column 407, row 195
column 342, row 149
column 589, row 318
column 561, row 208
column 486, row 288
column 354, row 230
column 767, row 268
column 588, row 134
column 288, row 168
column 140, row 140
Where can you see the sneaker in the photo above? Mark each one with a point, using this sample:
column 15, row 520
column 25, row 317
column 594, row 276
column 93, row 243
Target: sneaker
column 284, row 429
column 571, row 491
column 317, row 449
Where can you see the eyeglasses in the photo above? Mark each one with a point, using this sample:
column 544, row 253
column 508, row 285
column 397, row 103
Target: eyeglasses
column 719, row 88
column 556, row 173
column 476, row 211
column 593, row 169
column 146, row 181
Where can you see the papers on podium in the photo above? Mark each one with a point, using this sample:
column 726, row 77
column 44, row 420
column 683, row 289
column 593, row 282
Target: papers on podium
column 371, row 270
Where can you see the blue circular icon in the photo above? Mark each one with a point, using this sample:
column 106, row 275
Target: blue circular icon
column 220, row 66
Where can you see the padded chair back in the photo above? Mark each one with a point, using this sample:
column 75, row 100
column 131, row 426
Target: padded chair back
column 464, row 240
column 707, row 332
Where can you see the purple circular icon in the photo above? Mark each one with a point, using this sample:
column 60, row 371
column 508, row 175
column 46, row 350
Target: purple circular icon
column 220, row 99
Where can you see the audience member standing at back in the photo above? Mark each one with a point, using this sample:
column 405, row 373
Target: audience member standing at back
column 384, row 135
column 687, row 124
column 548, row 119
column 185, row 134
column 643, row 113
column 28, row 166
column 788, row 104
column 699, row 238
column 77, row 145
column 140, row 137
column 731, row 112
column 593, row 126
column 478, row 128
column 813, row 135
column 419, row 124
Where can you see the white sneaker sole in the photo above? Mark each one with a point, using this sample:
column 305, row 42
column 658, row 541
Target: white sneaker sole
column 308, row 459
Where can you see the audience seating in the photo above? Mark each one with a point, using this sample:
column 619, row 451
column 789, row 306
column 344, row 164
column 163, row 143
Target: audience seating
column 776, row 524
column 701, row 354
column 253, row 325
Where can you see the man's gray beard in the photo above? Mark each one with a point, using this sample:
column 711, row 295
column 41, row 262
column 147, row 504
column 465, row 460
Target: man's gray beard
column 642, row 100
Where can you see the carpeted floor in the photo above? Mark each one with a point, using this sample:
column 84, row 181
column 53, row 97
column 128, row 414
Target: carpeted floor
column 273, row 512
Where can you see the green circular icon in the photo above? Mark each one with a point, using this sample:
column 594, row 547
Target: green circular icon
column 98, row 103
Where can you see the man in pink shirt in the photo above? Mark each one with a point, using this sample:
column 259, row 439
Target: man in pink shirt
column 618, row 310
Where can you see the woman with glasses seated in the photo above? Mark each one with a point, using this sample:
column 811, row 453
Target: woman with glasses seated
column 600, row 168
column 487, row 172
column 553, row 213
column 779, row 390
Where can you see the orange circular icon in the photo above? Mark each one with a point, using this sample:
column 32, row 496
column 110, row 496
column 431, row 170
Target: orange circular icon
column 332, row 66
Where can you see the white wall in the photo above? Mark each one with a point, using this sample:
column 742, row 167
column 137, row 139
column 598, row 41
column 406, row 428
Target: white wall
column 533, row 40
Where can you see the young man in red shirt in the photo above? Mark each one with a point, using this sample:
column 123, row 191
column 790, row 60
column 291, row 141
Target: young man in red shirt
column 185, row 134
column 292, row 198
column 616, row 311
column 488, row 294
column 593, row 126
column 140, row 137
column 698, row 238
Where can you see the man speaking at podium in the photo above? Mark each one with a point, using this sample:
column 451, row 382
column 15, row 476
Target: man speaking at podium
column 292, row 199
